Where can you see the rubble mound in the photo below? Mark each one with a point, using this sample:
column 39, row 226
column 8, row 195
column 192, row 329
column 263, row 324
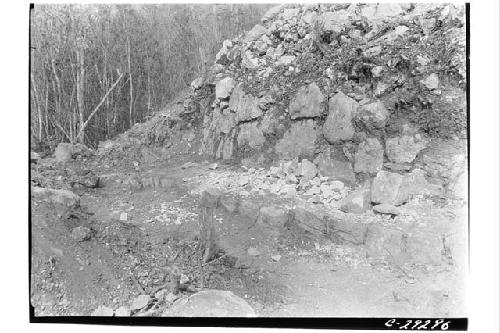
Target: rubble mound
column 313, row 76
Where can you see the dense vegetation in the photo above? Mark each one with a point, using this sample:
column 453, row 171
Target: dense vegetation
column 97, row 70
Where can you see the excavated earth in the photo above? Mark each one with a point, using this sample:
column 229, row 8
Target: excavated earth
column 279, row 269
column 339, row 187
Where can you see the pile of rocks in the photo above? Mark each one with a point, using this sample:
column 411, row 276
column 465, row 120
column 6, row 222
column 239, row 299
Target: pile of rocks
column 336, row 73
column 292, row 179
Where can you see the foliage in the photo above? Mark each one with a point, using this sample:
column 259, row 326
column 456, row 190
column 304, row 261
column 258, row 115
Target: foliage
column 169, row 45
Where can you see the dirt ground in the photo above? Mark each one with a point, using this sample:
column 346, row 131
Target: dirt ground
column 291, row 273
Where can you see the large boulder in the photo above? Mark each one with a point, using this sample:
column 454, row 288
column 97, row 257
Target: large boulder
column 224, row 87
column 64, row 198
column 64, row 152
column 245, row 106
column 309, row 221
column 338, row 125
column 211, row 303
column 335, row 169
column 395, row 189
column 386, row 187
column 415, row 183
column 369, row 156
column 307, row 102
column 372, row 115
column 273, row 216
column 404, row 149
column 299, row 140
column 250, row 135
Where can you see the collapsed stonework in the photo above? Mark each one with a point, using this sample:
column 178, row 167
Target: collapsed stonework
column 360, row 90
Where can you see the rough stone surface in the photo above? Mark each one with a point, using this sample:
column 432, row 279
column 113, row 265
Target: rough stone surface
column 122, row 311
column 307, row 102
column 415, row 183
column 334, row 21
column 81, row 234
column 431, row 82
column 309, row 221
column 357, row 202
column 102, row 311
column 394, row 189
column 335, row 169
column 245, row 106
column 386, row 209
column 140, row 302
column 385, row 188
column 250, row 135
column 299, row 140
column 285, row 60
column 273, row 215
column 59, row 197
column 338, row 125
column 64, row 152
column 369, row 157
column 403, row 149
column 224, row 87
column 308, row 170
column 211, row 303
column 372, row 115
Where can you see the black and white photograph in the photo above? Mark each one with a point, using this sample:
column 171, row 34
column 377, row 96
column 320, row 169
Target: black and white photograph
column 214, row 161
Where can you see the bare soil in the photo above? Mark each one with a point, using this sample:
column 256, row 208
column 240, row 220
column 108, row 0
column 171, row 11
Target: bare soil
column 313, row 277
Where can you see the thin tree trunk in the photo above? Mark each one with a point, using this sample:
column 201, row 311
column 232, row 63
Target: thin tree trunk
column 131, row 120
column 149, row 93
column 46, row 111
column 57, row 96
column 38, row 108
column 82, row 128
column 80, row 77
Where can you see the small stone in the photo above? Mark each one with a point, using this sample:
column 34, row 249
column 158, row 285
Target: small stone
column 387, row 209
column 102, row 311
column 171, row 297
column 159, row 295
column 252, row 251
column 357, row 202
column 337, row 185
column 122, row 311
column 276, row 257
column 315, row 199
column 81, row 234
column 123, row 217
column 224, row 88
column 291, row 179
column 213, row 166
column 184, row 279
column 273, row 215
column 243, row 180
column 431, row 82
column 308, row 170
column 140, row 302
column 313, row 191
column 377, row 71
